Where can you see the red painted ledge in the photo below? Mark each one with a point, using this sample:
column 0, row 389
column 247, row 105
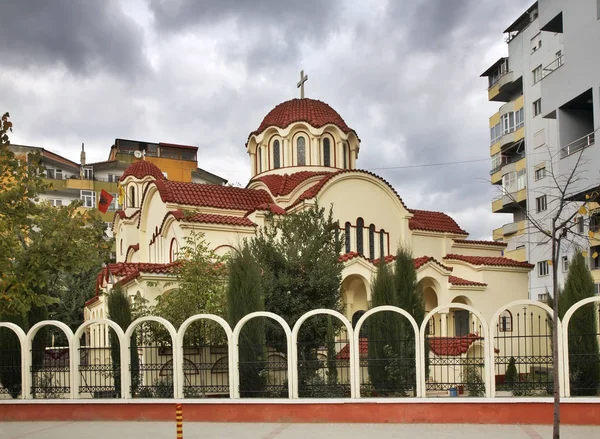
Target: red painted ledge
column 572, row 413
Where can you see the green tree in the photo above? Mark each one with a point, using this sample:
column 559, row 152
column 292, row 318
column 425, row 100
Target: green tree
column 244, row 296
column 583, row 339
column 119, row 311
column 10, row 355
column 410, row 298
column 299, row 256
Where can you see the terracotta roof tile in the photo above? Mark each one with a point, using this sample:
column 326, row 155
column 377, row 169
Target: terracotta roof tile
column 452, row 346
column 480, row 242
column 211, row 195
column 219, row 219
column 315, row 113
column 489, row 260
column 273, row 208
column 434, row 222
column 422, row 260
column 142, row 169
column 363, row 349
column 284, row 184
column 458, row 281
column 123, row 215
column 124, row 272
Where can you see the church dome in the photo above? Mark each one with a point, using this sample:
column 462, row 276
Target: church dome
column 314, row 112
column 142, row 169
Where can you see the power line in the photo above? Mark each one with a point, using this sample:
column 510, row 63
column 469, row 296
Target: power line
column 425, row 165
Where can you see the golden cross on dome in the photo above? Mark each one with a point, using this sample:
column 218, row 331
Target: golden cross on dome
column 300, row 85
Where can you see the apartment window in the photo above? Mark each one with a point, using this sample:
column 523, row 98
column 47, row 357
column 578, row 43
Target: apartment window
column 540, row 204
column 537, row 107
column 108, row 226
column 536, row 42
column 88, row 198
column 537, row 74
column 542, row 268
column 496, row 161
column 595, row 223
column 509, row 183
column 495, row 133
column 521, row 179
column 56, row 202
column 544, row 297
column 50, row 173
column 113, row 178
column 519, row 118
column 540, row 173
column 508, row 122
column 114, row 204
column 579, row 221
column 565, row 263
column 88, row 173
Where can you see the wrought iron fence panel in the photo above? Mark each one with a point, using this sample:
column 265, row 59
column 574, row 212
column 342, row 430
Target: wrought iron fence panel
column 151, row 365
column 99, row 363
column 386, row 351
column 523, row 360
column 205, row 361
column 10, row 363
column 584, row 357
column 50, row 366
column 263, row 359
column 323, row 359
column 455, row 355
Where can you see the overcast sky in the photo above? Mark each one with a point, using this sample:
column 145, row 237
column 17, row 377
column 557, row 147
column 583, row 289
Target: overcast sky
column 403, row 74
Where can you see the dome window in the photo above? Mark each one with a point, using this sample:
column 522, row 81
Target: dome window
column 326, row 152
column 276, row 155
column 360, row 224
column 259, row 160
column 301, row 151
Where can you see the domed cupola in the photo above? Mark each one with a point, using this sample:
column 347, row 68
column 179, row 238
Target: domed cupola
column 302, row 133
column 134, row 181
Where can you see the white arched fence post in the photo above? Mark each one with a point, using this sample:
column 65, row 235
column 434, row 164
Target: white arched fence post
column 488, row 366
column 236, row 349
column 296, row 330
column 77, row 345
column 172, row 332
column 418, row 346
column 69, row 334
column 24, row 357
column 566, row 385
column 180, row 336
column 494, row 333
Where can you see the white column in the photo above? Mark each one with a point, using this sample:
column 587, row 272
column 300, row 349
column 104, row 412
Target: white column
column 444, row 323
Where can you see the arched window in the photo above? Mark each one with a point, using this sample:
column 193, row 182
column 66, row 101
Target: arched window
column 505, row 321
column 360, row 224
column 345, row 154
column 301, row 151
column 259, row 160
column 276, row 157
column 132, row 196
column 372, row 241
column 382, row 243
column 121, row 246
column 347, row 237
column 174, row 250
column 326, row 152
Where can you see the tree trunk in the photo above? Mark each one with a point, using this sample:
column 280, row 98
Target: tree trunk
column 555, row 359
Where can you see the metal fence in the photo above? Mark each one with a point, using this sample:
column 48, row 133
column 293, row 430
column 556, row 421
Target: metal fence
column 454, row 352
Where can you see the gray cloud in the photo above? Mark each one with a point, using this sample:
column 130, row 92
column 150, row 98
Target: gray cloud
column 85, row 37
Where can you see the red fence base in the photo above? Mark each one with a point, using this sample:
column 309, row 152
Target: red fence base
column 578, row 413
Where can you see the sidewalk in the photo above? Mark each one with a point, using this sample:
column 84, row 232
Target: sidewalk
column 162, row 430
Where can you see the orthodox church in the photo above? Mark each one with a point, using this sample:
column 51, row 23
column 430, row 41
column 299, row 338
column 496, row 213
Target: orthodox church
column 303, row 152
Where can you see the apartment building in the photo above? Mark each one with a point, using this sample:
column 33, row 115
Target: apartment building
column 548, row 87
column 70, row 180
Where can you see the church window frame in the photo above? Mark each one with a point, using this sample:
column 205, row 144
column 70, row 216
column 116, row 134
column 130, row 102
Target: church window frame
column 505, row 321
column 173, row 250
column 326, row 151
column 132, row 197
column 276, row 154
column 259, row 159
column 360, row 225
column 345, row 154
column 347, row 236
column 301, row 151
column 372, row 242
column 382, row 243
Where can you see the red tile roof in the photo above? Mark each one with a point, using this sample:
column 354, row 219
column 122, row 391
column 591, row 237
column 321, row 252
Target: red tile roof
column 480, row 242
column 315, row 113
column 273, row 208
column 142, row 169
column 285, row 184
column 214, row 219
column 434, row 222
column 211, row 195
column 123, row 215
column 458, row 281
column 452, row 346
column 422, row 260
column 363, row 349
column 127, row 271
column 489, row 260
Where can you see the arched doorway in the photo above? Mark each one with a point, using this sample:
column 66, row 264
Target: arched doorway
column 354, row 295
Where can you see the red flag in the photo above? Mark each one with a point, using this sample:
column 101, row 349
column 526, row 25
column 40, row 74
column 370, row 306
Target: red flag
column 105, row 200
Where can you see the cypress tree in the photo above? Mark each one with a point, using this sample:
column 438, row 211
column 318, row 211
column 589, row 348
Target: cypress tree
column 583, row 329
column 244, row 296
column 10, row 355
column 384, row 331
column 410, row 298
column 119, row 311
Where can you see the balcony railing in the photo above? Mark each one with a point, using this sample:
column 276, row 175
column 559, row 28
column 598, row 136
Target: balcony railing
column 507, row 161
column 577, row 145
column 558, row 62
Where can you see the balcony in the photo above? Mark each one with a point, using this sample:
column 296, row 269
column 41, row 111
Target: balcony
column 518, row 254
column 517, row 227
column 508, row 160
column 557, row 63
column 510, row 202
column 578, row 145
